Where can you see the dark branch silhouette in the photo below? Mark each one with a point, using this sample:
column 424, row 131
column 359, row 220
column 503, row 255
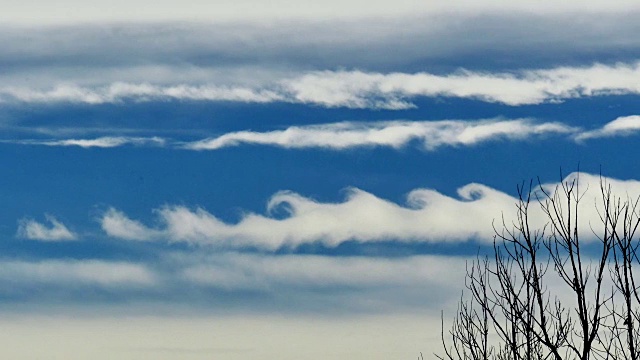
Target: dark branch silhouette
column 544, row 294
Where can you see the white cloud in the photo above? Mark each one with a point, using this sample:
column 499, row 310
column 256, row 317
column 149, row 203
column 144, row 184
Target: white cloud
column 428, row 216
column 357, row 89
column 396, row 134
column 55, row 231
column 622, row 126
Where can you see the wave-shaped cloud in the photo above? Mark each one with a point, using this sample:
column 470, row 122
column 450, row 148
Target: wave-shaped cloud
column 428, row 216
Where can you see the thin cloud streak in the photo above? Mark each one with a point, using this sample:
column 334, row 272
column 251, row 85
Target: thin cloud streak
column 367, row 90
column 622, row 126
column 56, row 231
column 395, row 134
column 118, row 92
column 101, row 142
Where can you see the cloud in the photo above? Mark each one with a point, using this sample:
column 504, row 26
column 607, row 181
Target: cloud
column 33, row 230
column 250, row 272
column 86, row 272
column 358, row 89
column 170, row 336
column 326, row 284
column 101, row 142
column 117, row 224
column 428, row 216
column 430, row 135
column 622, row 126
column 92, row 56
column 396, row 134
column 42, row 12
column 117, row 92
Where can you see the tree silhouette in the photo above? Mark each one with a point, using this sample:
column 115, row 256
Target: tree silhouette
column 550, row 291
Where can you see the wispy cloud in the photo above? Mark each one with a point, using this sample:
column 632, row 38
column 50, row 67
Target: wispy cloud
column 428, row 216
column 396, row 134
column 101, row 142
column 429, row 135
column 118, row 92
column 358, row 89
column 622, row 126
column 117, row 224
column 54, row 231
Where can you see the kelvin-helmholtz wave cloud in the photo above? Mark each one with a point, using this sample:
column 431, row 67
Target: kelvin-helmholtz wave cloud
column 280, row 179
column 428, row 216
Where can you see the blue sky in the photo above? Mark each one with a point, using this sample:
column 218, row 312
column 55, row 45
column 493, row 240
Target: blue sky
column 291, row 179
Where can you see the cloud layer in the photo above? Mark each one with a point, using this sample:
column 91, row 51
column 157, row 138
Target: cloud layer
column 72, row 272
column 42, row 12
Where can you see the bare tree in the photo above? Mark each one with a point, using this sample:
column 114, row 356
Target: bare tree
column 545, row 292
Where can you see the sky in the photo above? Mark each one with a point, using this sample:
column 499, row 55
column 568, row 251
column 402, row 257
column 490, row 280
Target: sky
column 287, row 179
